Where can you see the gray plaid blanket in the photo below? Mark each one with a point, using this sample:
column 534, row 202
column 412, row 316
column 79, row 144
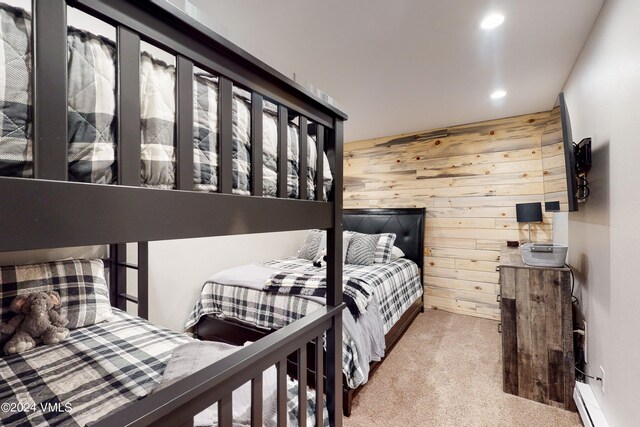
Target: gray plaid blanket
column 91, row 101
column 91, row 118
column 395, row 286
column 97, row 370
column 356, row 293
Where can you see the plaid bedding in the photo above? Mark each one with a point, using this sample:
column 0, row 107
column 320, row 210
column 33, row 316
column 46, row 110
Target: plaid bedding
column 16, row 155
column 90, row 93
column 356, row 293
column 397, row 286
column 91, row 108
column 157, row 121
column 311, row 171
column 91, row 118
column 270, row 154
column 205, row 136
column 97, row 370
column 81, row 284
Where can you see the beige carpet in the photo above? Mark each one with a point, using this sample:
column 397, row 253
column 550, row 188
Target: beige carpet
column 446, row 371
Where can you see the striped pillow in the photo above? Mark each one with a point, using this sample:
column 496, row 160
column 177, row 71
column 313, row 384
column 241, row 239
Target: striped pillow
column 384, row 248
column 83, row 289
column 362, row 249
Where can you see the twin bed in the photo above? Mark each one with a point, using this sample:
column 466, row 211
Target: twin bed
column 232, row 309
column 104, row 144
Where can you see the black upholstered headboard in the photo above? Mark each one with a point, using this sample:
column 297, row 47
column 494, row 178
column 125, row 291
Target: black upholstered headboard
column 406, row 223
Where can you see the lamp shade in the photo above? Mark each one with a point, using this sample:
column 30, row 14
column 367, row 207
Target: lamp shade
column 529, row 212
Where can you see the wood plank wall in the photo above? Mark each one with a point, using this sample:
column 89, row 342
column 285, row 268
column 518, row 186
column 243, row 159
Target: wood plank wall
column 553, row 161
column 469, row 177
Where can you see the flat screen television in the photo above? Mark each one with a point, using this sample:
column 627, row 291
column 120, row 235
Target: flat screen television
column 558, row 161
column 569, row 156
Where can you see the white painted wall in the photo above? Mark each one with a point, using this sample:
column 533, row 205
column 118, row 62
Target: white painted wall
column 561, row 228
column 179, row 268
column 603, row 97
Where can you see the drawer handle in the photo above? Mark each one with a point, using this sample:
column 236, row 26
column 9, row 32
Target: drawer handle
column 499, row 328
column 498, row 268
column 498, row 298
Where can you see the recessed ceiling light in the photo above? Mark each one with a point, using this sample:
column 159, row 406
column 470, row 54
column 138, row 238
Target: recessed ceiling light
column 492, row 20
column 500, row 93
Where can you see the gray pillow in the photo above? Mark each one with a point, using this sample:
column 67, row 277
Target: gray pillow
column 362, row 249
column 311, row 247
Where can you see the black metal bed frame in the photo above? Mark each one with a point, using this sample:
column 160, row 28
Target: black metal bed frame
column 49, row 212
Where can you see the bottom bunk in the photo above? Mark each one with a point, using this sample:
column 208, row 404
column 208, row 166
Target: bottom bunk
column 70, row 358
column 101, row 368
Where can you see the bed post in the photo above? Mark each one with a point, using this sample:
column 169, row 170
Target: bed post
column 421, row 259
column 113, row 275
column 334, row 279
column 143, row 280
column 302, row 150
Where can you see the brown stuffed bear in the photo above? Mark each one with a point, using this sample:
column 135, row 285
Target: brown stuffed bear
column 37, row 318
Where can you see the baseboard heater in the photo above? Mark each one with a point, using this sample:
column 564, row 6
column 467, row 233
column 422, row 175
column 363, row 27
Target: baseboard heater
column 588, row 406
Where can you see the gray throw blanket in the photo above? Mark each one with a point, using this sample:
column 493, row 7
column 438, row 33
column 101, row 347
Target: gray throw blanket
column 192, row 357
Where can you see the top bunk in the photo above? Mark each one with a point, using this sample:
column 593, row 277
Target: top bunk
column 105, row 143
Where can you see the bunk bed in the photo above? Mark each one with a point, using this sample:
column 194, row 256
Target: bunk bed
column 46, row 204
column 232, row 309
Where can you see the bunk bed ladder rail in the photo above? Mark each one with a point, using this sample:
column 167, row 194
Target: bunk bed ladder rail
column 216, row 383
column 119, row 287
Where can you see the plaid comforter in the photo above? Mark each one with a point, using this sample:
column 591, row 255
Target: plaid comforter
column 90, row 93
column 91, row 118
column 97, row 370
column 396, row 286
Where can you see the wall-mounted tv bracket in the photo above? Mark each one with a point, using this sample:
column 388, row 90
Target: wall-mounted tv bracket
column 582, row 156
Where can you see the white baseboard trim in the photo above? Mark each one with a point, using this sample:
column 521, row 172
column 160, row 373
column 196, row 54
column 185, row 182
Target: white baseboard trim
column 588, row 406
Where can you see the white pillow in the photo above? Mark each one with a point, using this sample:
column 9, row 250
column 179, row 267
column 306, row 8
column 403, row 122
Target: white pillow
column 396, row 253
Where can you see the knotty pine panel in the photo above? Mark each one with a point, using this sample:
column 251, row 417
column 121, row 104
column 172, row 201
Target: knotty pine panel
column 469, row 178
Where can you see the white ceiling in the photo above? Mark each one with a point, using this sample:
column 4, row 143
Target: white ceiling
column 410, row 65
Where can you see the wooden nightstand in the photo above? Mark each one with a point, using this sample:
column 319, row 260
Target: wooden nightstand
column 537, row 331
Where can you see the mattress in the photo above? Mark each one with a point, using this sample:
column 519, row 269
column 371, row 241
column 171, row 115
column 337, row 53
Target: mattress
column 97, row 370
column 92, row 111
column 396, row 286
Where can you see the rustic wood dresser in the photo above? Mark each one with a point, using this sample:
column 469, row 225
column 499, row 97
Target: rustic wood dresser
column 537, row 328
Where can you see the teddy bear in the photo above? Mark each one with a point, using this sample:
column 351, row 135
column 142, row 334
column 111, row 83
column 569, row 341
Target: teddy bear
column 37, row 319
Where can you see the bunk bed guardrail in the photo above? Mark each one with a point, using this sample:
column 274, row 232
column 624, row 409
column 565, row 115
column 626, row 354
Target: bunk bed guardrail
column 216, row 383
column 47, row 211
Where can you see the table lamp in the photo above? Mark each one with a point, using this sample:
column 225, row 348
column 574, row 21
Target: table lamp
column 528, row 213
